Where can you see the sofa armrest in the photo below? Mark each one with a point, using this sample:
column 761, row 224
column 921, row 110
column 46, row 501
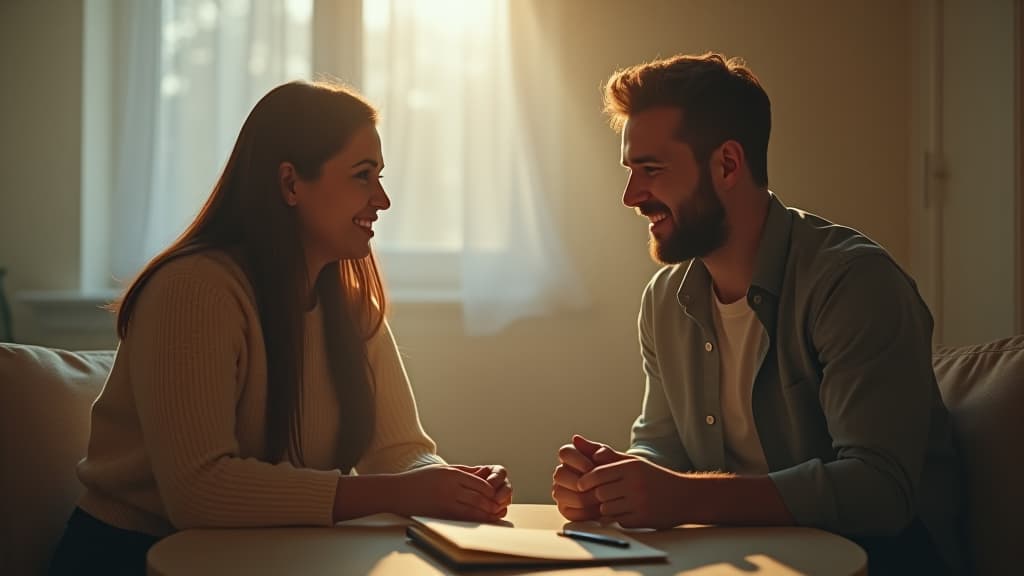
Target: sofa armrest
column 45, row 400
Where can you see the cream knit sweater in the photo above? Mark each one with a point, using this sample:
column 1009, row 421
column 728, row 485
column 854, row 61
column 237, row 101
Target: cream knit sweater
column 177, row 435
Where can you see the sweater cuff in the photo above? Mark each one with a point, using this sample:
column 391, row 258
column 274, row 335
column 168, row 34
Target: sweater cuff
column 315, row 493
column 425, row 459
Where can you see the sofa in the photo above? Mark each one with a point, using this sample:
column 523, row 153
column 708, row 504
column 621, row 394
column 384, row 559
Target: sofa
column 45, row 395
column 983, row 387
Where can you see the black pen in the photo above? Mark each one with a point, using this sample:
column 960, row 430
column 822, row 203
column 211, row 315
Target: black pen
column 597, row 538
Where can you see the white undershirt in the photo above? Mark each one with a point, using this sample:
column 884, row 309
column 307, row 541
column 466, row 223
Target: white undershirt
column 742, row 343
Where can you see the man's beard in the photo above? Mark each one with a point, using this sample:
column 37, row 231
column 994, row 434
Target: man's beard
column 699, row 227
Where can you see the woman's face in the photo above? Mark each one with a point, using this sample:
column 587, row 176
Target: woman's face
column 337, row 210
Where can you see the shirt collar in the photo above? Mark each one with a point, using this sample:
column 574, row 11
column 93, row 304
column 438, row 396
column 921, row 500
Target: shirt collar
column 769, row 265
column 773, row 251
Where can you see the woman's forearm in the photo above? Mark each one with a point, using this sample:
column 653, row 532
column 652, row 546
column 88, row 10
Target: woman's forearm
column 358, row 496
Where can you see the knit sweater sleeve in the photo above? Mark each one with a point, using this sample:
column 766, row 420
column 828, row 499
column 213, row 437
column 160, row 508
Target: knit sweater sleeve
column 399, row 441
column 187, row 349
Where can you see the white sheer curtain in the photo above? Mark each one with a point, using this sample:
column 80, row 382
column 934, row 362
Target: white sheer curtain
column 471, row 213
column 191, row 71
column 464, row 165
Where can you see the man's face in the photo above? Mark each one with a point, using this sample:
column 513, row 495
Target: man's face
column 687, row 219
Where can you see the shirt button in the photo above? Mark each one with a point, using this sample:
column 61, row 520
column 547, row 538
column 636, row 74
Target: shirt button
column 710, row 420
column 757, row 299
column 708, row 346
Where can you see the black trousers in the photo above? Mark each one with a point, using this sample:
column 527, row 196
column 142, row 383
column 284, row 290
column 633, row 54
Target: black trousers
column 90, row 546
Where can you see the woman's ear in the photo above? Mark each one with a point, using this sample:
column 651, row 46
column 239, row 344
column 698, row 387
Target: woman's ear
column 287, row 177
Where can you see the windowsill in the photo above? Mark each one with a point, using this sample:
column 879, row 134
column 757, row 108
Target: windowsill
column 418, row 296
column 70, row 311
column 74, row 311
column 411, row 278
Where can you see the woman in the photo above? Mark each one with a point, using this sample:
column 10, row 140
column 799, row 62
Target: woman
column 255, row 368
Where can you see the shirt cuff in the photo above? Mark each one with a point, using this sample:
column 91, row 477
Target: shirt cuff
column 651, row 456
column 805, row 489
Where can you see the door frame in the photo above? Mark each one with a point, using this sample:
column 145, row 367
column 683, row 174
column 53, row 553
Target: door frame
column 1018, row 36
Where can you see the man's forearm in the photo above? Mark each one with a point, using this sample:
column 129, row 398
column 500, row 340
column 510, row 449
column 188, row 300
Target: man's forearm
column 726, row 499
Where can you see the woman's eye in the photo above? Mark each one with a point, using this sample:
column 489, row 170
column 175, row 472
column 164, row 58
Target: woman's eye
column 365, row 176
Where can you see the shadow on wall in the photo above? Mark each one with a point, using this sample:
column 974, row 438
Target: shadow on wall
column 6, row 323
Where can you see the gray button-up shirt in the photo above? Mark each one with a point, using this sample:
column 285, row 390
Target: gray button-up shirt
column 845, row 402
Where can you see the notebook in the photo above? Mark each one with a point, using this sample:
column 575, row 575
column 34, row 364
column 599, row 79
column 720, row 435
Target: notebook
column 467, row 545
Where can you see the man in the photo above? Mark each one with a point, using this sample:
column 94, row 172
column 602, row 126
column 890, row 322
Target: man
column 788, row 364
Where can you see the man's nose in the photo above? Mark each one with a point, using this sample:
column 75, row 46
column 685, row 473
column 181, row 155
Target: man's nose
column 634, row 193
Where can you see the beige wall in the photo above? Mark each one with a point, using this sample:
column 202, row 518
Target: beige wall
column 40, row 146
column 836, row 72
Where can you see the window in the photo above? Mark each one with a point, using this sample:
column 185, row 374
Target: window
column 175, row 80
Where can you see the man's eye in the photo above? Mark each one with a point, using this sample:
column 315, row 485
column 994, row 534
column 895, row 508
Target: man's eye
column 651, row 170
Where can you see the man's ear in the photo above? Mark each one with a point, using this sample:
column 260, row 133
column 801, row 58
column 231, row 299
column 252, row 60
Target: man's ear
column 287, row 177
column 727, row 162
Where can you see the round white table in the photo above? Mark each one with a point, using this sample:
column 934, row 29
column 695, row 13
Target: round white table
column 377, row 545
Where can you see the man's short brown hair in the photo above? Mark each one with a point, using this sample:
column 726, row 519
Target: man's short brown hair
column 720, row 99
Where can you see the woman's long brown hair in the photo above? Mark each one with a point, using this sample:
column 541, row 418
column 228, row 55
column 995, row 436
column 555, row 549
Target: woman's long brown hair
column 246, row 216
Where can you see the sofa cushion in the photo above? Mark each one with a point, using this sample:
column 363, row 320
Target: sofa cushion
column 45, row 399
column 983, row 386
